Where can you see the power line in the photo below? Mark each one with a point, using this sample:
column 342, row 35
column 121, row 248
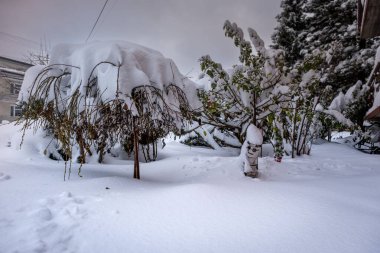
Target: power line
column 96, row 22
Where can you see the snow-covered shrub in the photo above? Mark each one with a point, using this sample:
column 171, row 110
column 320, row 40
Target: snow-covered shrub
column 307, row 93
column 100, row 94
column 247, row 94
column 264, row 92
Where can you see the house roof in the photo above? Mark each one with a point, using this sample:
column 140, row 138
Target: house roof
column 21, row 65
column 369, row 18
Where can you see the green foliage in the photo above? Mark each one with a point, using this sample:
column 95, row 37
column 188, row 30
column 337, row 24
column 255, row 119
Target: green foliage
column 263, row 91
column 237, row 95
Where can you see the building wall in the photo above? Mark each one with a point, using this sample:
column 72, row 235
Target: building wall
column 11, row 73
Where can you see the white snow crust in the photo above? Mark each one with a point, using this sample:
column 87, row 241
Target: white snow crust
column 29, row 78
column 254, row 135
column 190, row 200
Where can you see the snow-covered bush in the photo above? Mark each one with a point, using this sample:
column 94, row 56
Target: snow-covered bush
column 264, row 92
column 100, row 94
column 247, row 94
column 307, row 93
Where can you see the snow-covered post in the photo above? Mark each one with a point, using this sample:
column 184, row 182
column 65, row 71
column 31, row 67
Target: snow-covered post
column 250, row 151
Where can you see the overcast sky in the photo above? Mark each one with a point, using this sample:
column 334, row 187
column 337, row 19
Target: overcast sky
column 183, row 30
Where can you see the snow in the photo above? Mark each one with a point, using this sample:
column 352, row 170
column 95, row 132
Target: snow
column 13, row 71
column 227, row 138
column 307, row 78
column 119, row 67
column 281, row 89
column 257, row 42
column 30, row 77
column 237, row 30
column 190, row 200
column 338, row 102
column 338, row 136
column 254, row 135
column 339, row 117
column 319, row 108
column 377, row 57
column 349, row 96
column 376, row 100
column 208, row 137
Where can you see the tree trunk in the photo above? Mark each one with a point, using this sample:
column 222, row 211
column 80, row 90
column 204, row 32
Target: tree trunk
column 136, row 171
column 301, row 135
column 329, row 134
column 294, row 130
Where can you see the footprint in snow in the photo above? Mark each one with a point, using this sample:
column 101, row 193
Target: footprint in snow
column 55, row 222
column 43, row 214
column 4, row 177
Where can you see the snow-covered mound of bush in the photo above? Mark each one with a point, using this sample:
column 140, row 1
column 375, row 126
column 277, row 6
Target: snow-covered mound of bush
column 93, row 97
column 117, row 66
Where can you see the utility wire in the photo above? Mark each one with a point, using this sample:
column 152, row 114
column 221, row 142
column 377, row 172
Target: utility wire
column 96, row 22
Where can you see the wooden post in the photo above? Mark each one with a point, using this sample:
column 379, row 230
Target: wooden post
column 136, row 171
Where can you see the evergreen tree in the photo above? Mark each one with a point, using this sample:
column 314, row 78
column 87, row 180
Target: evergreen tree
column 329, row 27
column 332, row 28
column 291, row 24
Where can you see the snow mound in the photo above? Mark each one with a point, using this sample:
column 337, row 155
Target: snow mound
column 117, row 66
column 30, row 76
column 254, row 135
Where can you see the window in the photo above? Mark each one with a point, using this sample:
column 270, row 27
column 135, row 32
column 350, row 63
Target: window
column 16, row 111
column 15, row 88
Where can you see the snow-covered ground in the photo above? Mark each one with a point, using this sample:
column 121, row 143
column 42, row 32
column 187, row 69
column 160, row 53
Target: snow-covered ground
column 191, row 200
column 339, row 136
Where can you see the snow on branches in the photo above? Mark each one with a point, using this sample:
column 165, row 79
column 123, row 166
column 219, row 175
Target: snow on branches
column 247, row 94
column 262, row 91
column 95, row 96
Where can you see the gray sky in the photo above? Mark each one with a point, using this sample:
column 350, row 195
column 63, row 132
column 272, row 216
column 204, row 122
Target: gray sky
column 183, row 30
